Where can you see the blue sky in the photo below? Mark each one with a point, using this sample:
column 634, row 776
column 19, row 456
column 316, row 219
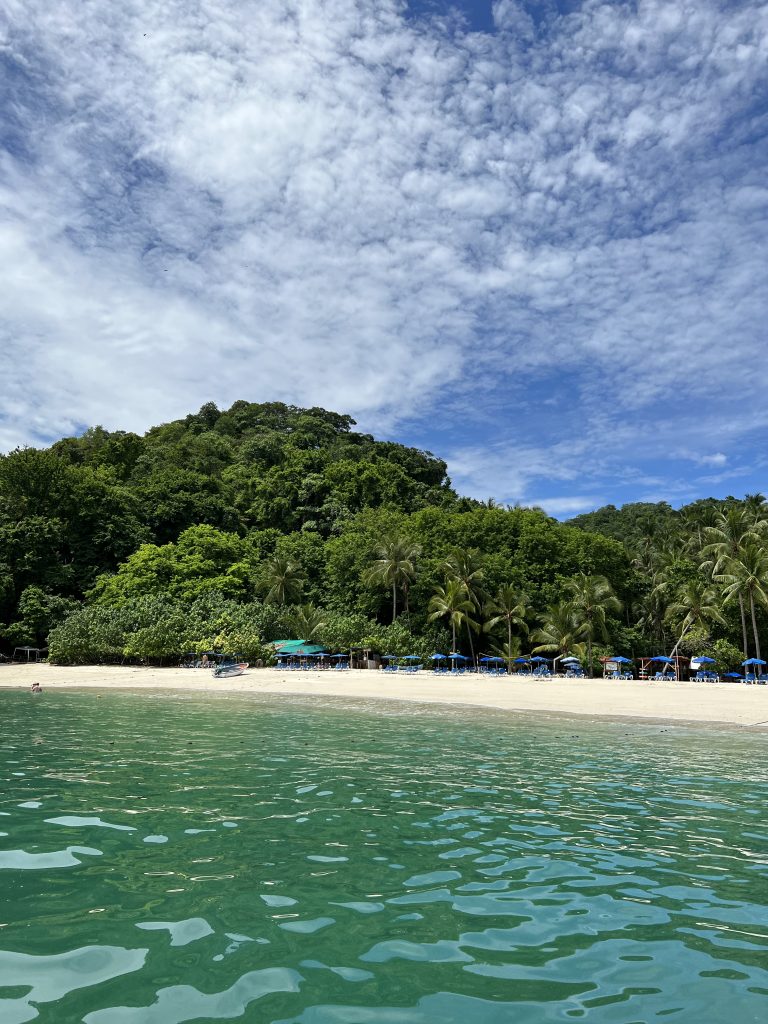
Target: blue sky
column 529, row 237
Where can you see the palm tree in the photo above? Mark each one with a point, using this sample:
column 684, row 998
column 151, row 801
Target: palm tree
column 756, row 507
column 508, row 651
column 748, row 575
column 695, row 604
column 307, row 621
column 725, row 541
column 394, row 565
column 592, row 598
column 464, row 566
column 453, row 603
column 508, row 604
column 560, row 630
column 283, row 580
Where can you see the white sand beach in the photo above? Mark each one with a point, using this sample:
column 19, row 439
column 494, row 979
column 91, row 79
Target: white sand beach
column 722, row 703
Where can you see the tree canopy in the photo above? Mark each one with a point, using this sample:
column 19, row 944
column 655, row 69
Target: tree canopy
column 248, row 523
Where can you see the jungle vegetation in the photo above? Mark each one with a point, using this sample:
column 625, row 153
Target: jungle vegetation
column 228, row 529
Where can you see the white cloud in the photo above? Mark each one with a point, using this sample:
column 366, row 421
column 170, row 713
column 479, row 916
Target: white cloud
column 716, row 459
column 330, row 204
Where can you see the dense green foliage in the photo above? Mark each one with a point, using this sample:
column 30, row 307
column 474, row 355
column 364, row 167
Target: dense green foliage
column 230, row 529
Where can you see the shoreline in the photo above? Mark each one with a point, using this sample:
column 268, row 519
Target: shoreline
column 723, row 704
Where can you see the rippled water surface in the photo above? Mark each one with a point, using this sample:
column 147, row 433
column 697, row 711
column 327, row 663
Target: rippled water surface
column 178, row 858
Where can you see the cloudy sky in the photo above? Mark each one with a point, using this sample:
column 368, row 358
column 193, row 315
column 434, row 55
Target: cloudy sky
column 530, row 237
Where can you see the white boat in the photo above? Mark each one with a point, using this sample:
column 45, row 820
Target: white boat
column 230, row 668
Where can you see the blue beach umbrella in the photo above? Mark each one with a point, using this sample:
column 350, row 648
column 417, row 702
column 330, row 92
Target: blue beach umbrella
column 754, row 661
column 621, row 660
column 703, row 660
column 539, row 658
column 439, row 657
column 662, row 657
column 340, row 656
column 458, row 657
column 411, row 657
column 731, row 675
column 521, row 661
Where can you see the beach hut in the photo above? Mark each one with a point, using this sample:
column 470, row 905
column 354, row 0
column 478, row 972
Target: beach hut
column 28, row 653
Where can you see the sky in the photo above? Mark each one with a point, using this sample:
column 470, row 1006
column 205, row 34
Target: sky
column 529, row 237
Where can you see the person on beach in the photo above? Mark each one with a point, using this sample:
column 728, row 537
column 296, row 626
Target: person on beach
column 37, row 688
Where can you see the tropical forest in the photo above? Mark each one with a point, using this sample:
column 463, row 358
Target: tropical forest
column 228, row 530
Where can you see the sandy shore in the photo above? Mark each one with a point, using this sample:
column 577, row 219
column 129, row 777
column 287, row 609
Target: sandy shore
column 726, row 703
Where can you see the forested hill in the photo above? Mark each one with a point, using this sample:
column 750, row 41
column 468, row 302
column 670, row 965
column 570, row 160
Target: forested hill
column 230, row 529
column 258, row 467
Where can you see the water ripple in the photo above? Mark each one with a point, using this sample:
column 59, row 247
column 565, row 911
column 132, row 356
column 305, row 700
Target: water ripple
column 320, row 864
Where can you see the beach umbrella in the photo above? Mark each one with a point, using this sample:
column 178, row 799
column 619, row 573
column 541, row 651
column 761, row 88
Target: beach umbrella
column 568, row 658
column 754, row 661
column 731, row 675
column 621, row 660
column 411, row 657
column 496, row 659
column 703, row 660
column 439, row 657
column 539, row 658
column 340, row 656
column 521, row 661
column 662, row 657
column 459, row 657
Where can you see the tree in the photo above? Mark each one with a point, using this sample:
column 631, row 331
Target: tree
column 725, row 540
column 283, row 580
column 507, row 606
column 394, row 566
column 560, row 630
column 592, row 598
column 464, row 565
column 307, row 622
column 452, row 602
column 748, row 575
column 695, row 605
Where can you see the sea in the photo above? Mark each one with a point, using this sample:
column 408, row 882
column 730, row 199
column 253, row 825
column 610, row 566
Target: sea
column 171, row 857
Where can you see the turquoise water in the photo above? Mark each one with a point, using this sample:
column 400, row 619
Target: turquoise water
column 179, row 858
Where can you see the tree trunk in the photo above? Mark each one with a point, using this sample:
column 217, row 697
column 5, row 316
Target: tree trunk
column 674, row 649
column 394, row 601
column 589, row 656
column 754, row 626
column 509, row 646
column 471, row 645
column 744, row 627
column 453, row 633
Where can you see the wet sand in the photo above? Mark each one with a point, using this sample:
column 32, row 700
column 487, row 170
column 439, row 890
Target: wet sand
column 722, row 703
